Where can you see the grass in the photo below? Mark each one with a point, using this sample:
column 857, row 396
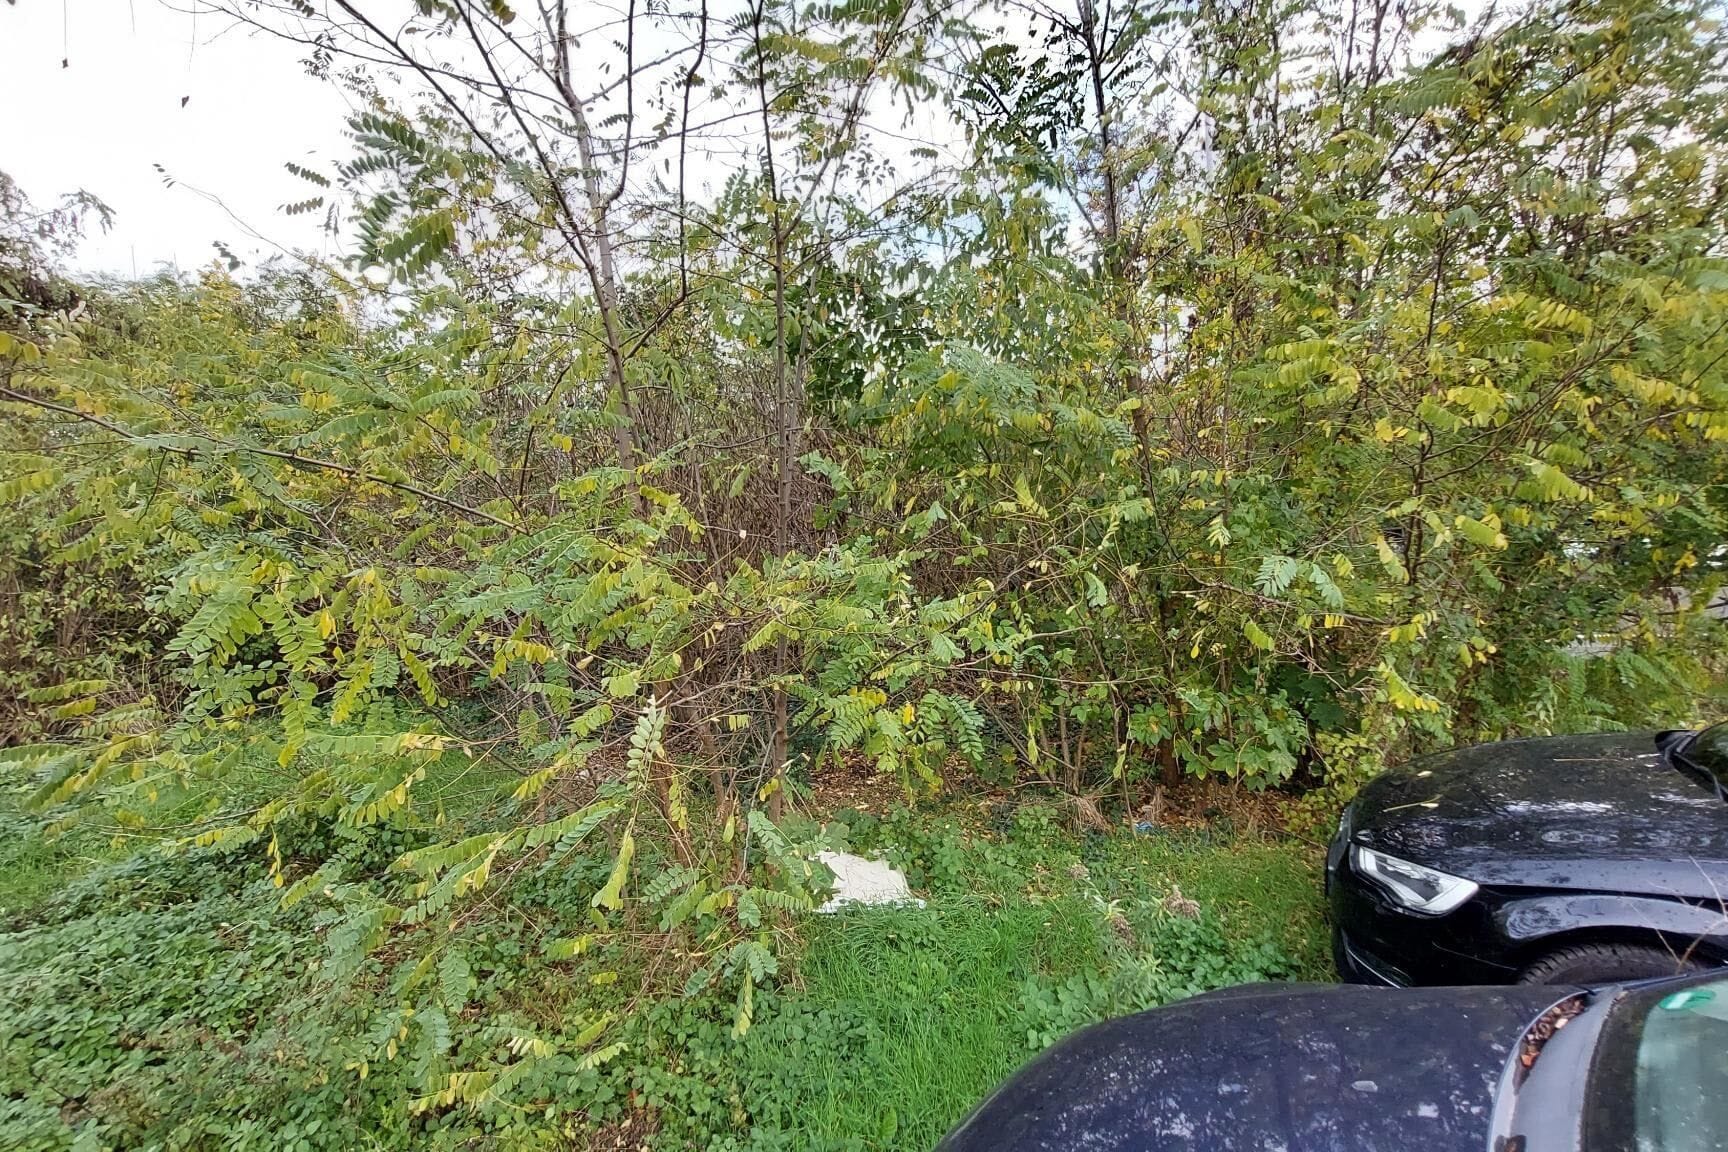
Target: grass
column 938, row 991
column 884, row 1027
column 938, row 1004
column 1256, row 885
column 32, row 868
column 34, row 863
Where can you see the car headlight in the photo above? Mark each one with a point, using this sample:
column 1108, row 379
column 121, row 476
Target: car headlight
column 1412, row 886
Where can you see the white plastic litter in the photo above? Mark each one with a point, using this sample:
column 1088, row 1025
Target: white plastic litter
column 861, row 881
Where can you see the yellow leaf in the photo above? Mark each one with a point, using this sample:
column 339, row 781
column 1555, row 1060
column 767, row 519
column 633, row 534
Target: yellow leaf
column 1389, row 560
column 612, row 895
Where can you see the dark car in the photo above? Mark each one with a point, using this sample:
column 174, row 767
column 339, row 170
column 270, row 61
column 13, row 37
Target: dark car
column 1302, row 1068
column 1567, row 859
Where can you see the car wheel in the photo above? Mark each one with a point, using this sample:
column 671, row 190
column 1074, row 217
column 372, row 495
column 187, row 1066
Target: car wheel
column 1606, row 963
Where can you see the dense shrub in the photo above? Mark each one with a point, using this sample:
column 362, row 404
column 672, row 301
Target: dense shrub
column 1265, row 393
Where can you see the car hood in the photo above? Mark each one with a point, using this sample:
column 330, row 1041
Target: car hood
column 1302, row 1068
column 1601, row 812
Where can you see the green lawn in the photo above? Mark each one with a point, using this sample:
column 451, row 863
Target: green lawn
column 944, row 1001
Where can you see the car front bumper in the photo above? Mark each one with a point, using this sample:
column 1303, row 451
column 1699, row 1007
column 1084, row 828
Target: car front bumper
column 1376, row 942
column 1357, row 966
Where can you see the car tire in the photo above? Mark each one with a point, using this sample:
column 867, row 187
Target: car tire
column 1606, row 964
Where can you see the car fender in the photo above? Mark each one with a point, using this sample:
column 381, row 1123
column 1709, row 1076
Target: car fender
column 1531, row 920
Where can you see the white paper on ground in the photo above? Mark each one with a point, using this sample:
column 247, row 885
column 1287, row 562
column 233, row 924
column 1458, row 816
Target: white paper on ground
column 861, row 881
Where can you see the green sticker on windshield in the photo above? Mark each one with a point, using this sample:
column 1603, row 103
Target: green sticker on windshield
column 1690, row 998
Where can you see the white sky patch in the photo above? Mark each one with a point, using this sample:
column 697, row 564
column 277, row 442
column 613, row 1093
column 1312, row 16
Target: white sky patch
column 101, row 122
column 115, row 112
column 221, row 107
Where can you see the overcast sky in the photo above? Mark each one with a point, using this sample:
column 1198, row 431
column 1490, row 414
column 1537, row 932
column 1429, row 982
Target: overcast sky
column 114, row 110
column 220, row 108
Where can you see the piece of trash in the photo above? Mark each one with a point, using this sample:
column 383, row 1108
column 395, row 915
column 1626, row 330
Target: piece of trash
column 858, row 880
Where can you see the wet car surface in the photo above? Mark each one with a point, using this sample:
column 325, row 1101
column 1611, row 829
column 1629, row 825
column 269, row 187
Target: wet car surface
column 1312, row 1068
column 1576, row 842
column 1269, row 1067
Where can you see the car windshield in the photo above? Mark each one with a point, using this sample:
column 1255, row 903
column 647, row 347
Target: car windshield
column 1708, row 753
column 1670, row 1046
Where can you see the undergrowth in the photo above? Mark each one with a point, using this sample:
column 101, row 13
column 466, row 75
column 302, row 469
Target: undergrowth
column 172, row 1001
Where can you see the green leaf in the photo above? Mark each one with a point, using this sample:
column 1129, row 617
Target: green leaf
column 1276, row 574
column 1483, row 533
column 1096, row 594
column 455, row 979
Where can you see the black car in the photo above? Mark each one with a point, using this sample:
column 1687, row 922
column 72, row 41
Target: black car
column 1305, row 1068
column 1567, row 859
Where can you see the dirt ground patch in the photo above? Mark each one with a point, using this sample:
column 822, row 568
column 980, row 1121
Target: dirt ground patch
column 855, row 783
